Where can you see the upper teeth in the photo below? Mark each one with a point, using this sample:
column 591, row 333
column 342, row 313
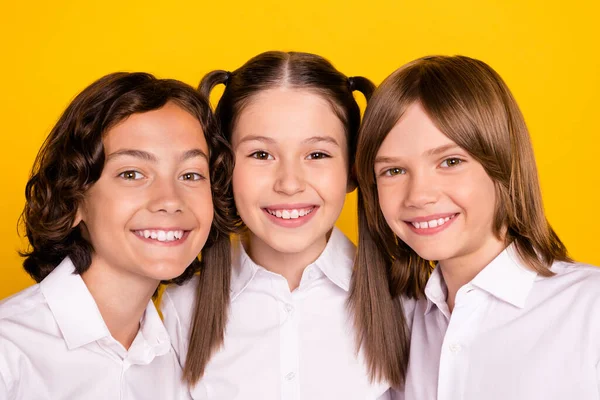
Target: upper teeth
column 292, row 213
column 161, row 236
column 431, row 224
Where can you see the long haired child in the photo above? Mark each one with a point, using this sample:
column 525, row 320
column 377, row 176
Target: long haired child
column 292, row 121
column 447, row 174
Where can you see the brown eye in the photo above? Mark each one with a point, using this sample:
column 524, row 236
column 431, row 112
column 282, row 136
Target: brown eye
column 192, row 176
column 261, row 155
column 317, row 155
column 131, row 175
column 451, row 162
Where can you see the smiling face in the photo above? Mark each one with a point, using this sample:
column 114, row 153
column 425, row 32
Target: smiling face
column 433, row 194
column 150, row 212
column 291, row 172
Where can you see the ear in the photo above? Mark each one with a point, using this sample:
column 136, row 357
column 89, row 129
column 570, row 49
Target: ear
column 78, row 216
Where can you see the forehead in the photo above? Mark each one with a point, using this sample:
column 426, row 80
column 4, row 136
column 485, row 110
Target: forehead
column 413, row 134
column 288, row 114
column 169, row 127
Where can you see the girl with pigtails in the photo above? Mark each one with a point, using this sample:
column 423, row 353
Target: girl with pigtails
column 292, row 122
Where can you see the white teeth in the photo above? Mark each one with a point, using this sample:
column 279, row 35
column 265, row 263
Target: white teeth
column 431, row 224
column 159, row 235
column 290, row 214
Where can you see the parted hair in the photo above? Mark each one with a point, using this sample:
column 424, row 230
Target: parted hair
column 470, row 103
column 265, row 71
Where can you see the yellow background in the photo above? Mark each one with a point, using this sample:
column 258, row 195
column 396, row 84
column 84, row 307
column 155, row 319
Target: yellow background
column 546, row 51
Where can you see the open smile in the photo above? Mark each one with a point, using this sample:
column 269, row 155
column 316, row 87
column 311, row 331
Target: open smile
column 290, row 216
column 162, row 236
column 432, row 224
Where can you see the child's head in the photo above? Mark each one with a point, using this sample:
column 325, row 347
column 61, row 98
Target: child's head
column 445, row 170
column 124, row 180
column 445, row 159
column 292, row 121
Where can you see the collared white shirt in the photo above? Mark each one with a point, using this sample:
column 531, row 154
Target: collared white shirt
column 54, row 345
column 513, row 335
column 279, row 344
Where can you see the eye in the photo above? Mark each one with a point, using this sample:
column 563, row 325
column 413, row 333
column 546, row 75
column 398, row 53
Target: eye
column 192, row 176
column 394, row 171
column 261, row 155
column 317, row 155
column 451, row 162
column 131, row 175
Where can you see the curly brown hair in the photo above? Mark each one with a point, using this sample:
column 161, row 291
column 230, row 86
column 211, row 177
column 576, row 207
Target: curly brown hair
column 72, row 158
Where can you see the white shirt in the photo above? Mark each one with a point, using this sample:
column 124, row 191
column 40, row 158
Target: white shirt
column 55, row 345
column 513, row 335
column 279, row 344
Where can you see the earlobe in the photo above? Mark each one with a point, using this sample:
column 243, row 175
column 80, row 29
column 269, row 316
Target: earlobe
column 78, row 217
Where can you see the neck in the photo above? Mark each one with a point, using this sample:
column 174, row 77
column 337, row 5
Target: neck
column 289, row 265
column 121, row 298
column 459, row 271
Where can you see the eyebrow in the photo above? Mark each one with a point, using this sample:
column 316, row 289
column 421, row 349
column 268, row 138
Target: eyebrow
column 441, row 149
column 432, row 152
column 310, row 140
column 318, row 139
column 258, row 138
column 146, row 156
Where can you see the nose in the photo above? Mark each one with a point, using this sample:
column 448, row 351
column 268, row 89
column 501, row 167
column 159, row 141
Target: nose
column 290, row 178
column 165, row 196
column 421, row 191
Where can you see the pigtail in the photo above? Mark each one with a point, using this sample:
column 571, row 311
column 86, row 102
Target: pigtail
column 379, row 320
column 212, row 79
column 361, row 84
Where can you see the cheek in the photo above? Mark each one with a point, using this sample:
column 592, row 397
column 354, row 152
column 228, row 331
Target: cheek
column 201, row 203
column 388, row 202
column 477, row 196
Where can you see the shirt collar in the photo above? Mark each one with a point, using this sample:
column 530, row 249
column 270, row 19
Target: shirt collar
column 435, row 290
column 79, row 318
column 73, row 306
column 507, row 278
column 336, row 262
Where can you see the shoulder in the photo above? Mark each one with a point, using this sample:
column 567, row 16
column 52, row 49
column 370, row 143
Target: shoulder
column 573, row 283
column 180, row 299
column 575, row 274
column 22, row 305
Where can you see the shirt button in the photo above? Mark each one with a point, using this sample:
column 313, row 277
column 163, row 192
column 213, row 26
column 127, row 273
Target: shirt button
column 289, row 308
column 454, row 348
column 290, row 376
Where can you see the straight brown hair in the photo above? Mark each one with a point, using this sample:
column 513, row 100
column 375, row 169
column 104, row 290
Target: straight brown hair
column 470, row 103
column 265, row 71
